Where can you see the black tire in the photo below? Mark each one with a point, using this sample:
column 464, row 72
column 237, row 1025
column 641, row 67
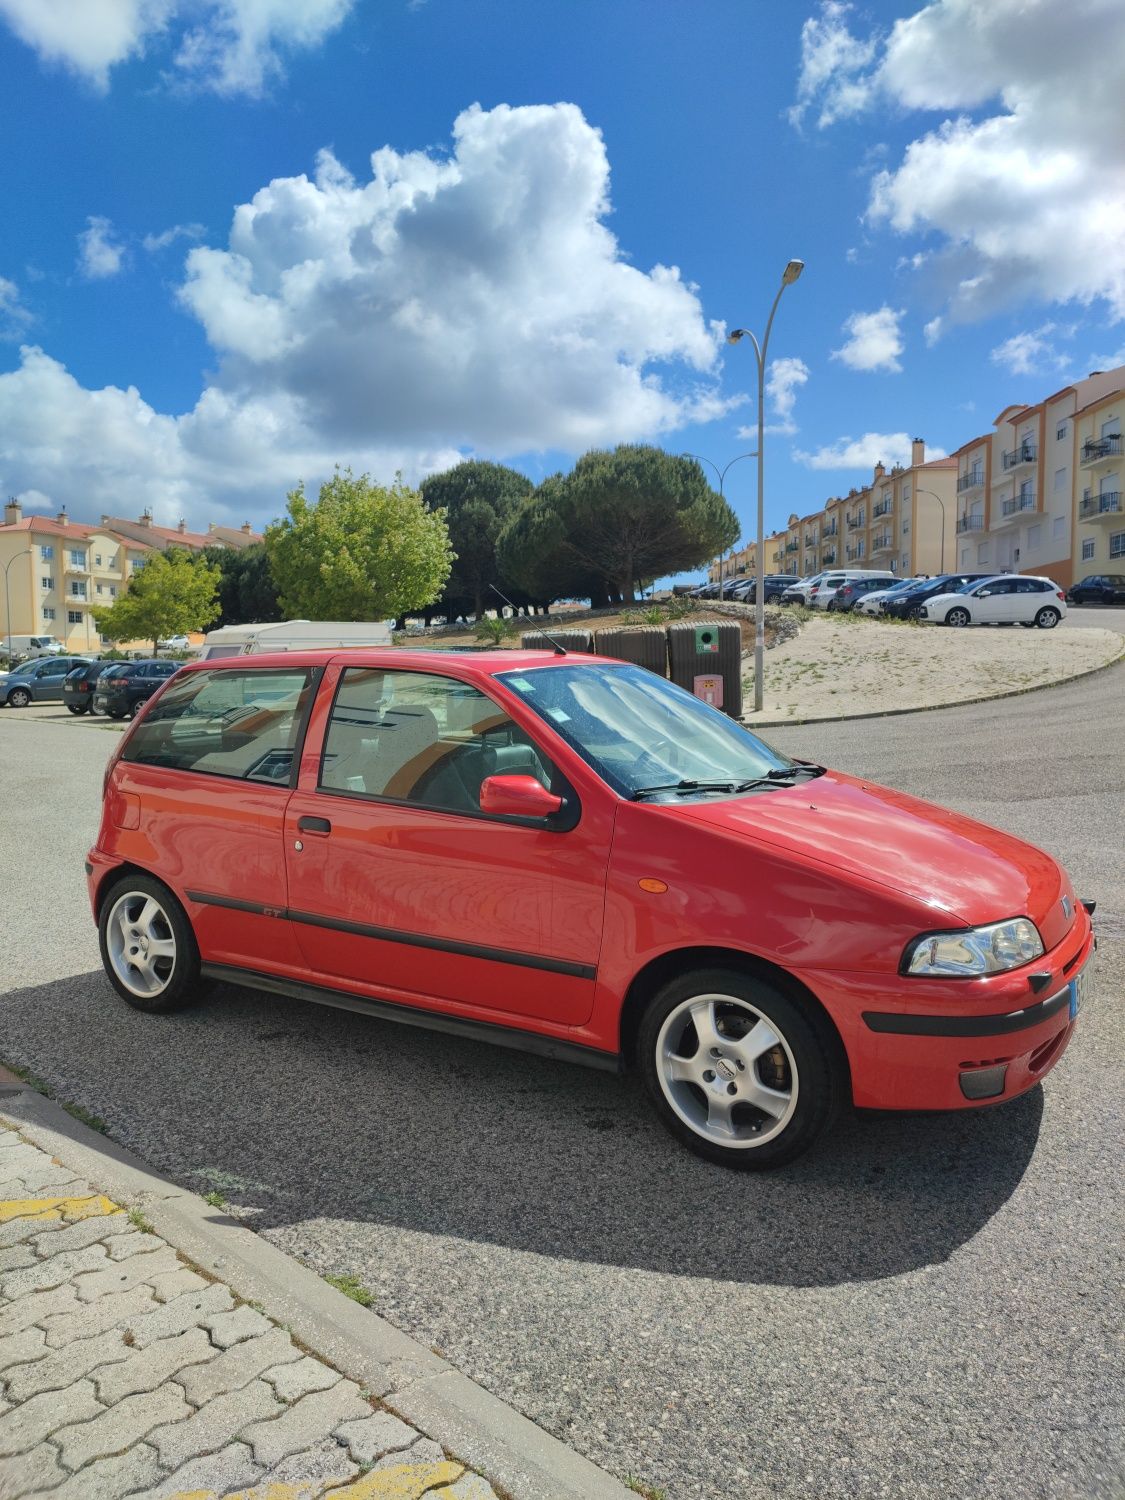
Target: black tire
column 76, row 708
column 182, row 984
column 135, row 708
column 1028, row 624
column 116, row 713
column 804, row 1054
column 1047, row 618
column 958, row 617
column 19, row 698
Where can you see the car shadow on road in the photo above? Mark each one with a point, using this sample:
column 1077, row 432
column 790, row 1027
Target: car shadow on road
column 298, row 1112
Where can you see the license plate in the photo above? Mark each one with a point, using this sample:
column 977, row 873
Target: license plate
column 1079, row 987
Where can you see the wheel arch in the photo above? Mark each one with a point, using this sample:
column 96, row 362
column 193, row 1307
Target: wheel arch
column 113, row 873
column 658, row 971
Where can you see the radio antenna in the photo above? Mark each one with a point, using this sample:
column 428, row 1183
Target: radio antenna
column 560, row 649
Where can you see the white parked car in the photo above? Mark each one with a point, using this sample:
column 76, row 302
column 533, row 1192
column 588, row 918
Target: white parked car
column 175, row 643
column 872, row 603
column 1003, row 600
column 825, row 590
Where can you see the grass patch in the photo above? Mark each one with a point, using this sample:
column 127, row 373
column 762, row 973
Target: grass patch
column 215, row 1199
column 139, row 1222
column 41, row 1086
column 352, row 1287
column 95, row 1122
column 648, row 1491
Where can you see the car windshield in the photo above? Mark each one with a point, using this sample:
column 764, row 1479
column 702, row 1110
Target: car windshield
column 639, row 732
column 967, row 588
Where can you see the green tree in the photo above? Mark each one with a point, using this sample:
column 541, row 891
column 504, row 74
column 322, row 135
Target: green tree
column 173, row 593
column 247, row 592
column 478, row 499
column 362, row 552
column 534, row 555
column 639, row 512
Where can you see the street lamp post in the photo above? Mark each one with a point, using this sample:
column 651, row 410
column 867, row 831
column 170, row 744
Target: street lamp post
column 788, row 276
column 8, row 593
column 919, row 491
column 722, row 473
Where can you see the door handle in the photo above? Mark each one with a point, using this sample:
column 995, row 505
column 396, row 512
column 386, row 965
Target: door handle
column 313, row 825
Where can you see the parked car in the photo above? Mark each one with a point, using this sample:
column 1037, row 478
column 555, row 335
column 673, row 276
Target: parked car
column 798, row 593
column 80, row 683
column 853, row 590
column 38, row 681
column 1098, row 588
column 1001, row 600
column 763, row 939
column 908, row 604
column 872, row 602
column 825, row 591
column 774, row 585
column 26, row 647
column 175, row 643
column 125, row 688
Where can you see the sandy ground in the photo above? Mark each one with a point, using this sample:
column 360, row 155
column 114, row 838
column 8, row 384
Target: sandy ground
column 838, row 667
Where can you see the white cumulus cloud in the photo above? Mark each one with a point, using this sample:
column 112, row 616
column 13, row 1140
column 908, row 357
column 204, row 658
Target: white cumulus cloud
column 471, row 301
column 154, row 242
column 1024, row 178
column 1031, row 352
column 865, row 452
column 933, row 330
column 100, row 255
column 874, row 340
column 785, row 378
column 231, row 46
column 14, row 316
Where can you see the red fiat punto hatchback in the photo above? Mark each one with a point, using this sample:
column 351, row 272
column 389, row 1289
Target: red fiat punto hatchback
column 571, row 856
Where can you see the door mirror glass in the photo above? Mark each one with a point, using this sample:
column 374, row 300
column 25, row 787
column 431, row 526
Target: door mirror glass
column 517, row 797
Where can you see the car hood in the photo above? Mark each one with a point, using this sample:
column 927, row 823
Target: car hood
column 946, row 599
column 948, row 863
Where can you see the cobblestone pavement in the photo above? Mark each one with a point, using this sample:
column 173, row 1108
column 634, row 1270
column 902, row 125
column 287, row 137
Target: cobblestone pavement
column 125, row 1373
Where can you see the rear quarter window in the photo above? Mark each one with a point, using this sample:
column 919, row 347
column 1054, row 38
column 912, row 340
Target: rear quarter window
column 243, row 725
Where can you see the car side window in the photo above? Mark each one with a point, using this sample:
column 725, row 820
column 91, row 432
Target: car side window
column 421, row 738
column 226, row 723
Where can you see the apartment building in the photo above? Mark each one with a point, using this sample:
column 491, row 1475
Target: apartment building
column 1036, row 494
column 903, row 520
column 54, row 572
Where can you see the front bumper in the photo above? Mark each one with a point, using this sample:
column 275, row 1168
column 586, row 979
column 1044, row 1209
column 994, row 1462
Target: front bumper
column 910, row 1041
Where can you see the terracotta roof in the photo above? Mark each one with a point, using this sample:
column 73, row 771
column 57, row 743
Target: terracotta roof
column 939, row 463
column 67, row 530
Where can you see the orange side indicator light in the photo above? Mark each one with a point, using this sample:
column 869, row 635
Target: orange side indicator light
column 654, row 887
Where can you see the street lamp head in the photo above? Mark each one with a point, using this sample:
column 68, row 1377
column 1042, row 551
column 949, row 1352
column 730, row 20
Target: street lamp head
column 737, row 333
column 791, row 272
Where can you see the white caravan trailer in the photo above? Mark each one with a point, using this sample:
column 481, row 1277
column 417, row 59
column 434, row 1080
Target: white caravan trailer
column 292, row 635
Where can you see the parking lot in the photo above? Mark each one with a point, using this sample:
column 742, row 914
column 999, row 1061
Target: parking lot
column 925, row 1306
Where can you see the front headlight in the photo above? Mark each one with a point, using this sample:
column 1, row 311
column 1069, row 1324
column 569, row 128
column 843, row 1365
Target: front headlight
column 974, row 950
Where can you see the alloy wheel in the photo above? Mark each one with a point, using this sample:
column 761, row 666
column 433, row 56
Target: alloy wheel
column 1047, row 619
column 19, row 697
column 957, row 617
column 141, row 944
column 727, row 1071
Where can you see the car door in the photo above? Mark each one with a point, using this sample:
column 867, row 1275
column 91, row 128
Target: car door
column 399, row 883
column 995, row 602
column 50, row 677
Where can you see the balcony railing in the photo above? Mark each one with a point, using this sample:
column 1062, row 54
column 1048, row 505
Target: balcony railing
column 1019, row 503
column 810, row 538
column 856, row 523
column 853, row 553
column 829, row 557
column 1096, row 449
column 1100, row 505
column 970, row 523
column 792, row 546
column 973, row 480
column 883, row 508
column 830, row 529
column 1024, row 454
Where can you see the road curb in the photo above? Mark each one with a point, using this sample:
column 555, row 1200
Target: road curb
column 933, row 708
column 483, row 1431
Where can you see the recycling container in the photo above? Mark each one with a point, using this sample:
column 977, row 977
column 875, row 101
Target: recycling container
column 706, row 659
column 645, row 645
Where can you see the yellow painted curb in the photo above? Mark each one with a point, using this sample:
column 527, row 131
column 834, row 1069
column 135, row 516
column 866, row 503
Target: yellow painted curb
column 56, row 1208
column 399, row 1482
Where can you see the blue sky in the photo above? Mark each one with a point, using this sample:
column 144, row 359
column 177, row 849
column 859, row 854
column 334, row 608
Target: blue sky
column 201, row 325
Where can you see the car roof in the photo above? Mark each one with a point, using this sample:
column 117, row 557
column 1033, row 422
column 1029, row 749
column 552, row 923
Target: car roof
column 485, row 663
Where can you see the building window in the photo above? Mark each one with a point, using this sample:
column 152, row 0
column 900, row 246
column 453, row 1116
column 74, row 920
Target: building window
column 46, row 553
column 47, row 581
column 1034, row 535
column 1060, row 479
column 1117, row 544
column 982, row 552
column 99, row 588
column 113, row 591
column 48, row 613
column 906, row 525
column 1088, row 548
column 1060, row 432
column 78, row 591
column 77, row 558
column 964, row 557
column 74, row 617
column 1058, row 527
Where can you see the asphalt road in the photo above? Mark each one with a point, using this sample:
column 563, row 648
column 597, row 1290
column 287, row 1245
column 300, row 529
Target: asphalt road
column 926, row 1306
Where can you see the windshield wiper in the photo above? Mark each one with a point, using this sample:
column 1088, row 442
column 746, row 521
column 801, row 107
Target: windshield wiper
column 782, row 776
